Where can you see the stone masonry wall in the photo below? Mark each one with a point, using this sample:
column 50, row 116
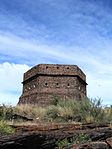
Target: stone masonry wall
column 55, row 70
column 44, row 82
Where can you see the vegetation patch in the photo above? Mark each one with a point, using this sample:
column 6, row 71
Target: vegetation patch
column 77, row 139
column 61, row 111
column 5, row 128
column 84, row 111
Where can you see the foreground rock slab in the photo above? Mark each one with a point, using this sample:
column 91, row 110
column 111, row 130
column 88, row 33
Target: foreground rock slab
column 109, row 141
column 28, row 141
column 46, row 136
column 91, row 145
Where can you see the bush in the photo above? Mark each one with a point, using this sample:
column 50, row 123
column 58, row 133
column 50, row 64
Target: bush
column 30, row 111
column 89, row 110
column 6, row 112
column 52, row 113
column 5, row 129
column 77, row 139
column 85, row 111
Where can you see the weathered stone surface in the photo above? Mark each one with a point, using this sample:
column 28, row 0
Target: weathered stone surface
column 45, row 136
column 20, row 117
column 91, row 145
column 28, row 141
column 100, row 134
column 45, row 81
column 109, row 141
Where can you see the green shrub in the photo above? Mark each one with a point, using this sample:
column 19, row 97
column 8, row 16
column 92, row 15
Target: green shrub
column 52, row 112
column 108, row 113
column 5, row 129
column 55, row 100
column 90, row 110
column 77, row 139
column 6, row 112
column 63, row 143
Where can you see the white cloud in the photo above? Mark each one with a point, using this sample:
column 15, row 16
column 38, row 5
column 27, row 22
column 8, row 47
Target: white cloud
column 29, row 49
column 99, row 87
column 11, row 76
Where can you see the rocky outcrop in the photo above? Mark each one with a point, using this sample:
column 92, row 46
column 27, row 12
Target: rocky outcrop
column 109, row 142
column 27, row 141
column 91, row 145
column 46, row 136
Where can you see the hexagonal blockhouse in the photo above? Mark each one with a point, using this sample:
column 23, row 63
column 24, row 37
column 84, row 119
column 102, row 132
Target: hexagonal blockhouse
column 44, row 82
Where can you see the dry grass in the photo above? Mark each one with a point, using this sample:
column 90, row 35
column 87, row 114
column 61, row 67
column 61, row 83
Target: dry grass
column 62, row 111
column 30, row 111
column 65, row 111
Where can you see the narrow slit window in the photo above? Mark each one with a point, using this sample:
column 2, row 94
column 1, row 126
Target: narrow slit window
column 57, row 85
column 46, row 84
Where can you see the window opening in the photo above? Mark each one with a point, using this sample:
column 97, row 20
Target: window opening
column 57, row 84
column 46, row 84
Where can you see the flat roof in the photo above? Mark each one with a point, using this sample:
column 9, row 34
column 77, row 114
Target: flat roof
column 54, row 69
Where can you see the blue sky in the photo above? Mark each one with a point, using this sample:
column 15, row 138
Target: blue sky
column 56, row 31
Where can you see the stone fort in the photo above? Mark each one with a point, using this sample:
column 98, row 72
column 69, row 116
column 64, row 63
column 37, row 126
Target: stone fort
column 44, row 82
